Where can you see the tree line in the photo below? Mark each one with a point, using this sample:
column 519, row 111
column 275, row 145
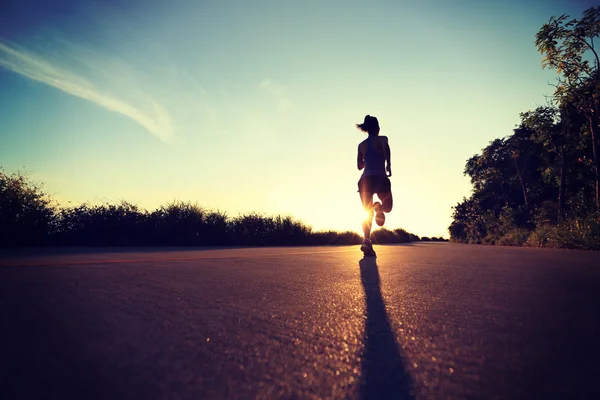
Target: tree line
column 539, row 186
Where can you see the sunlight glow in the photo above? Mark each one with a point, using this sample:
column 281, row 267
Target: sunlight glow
column 258, row 104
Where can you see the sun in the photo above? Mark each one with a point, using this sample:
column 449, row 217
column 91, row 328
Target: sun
column 337, row 208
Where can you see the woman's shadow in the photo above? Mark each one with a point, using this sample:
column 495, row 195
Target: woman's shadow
column 384, row 376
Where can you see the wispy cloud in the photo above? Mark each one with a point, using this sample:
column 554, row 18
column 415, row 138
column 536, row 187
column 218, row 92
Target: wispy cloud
column 278, row 92
column 62, row 73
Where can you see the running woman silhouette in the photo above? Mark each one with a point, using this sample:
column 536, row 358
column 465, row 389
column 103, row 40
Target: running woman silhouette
column 374, row 157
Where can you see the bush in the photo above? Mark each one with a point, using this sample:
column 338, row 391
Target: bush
column 334, row 238
column 257, row 229
column 186, row 223
column 27, row 217
column 515, row 237
column 106, row 224
column 580, row 233
column 489, row 239
column 385, row 236
column 413, row 238
column 573, row 233
column 26, row 214
column 402, row 235
column 542, row 236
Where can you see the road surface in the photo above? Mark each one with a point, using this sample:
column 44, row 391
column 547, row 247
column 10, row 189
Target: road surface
column 430, row 321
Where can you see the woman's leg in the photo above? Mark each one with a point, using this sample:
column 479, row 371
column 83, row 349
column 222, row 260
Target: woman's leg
column 384, row 207
column 387, row 202
column 367, row 202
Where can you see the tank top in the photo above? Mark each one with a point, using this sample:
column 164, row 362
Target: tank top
column 374, row 160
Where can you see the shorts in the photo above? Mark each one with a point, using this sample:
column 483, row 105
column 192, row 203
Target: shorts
column 374, row 184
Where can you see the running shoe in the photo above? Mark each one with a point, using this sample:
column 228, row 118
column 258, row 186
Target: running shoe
column 367, row 248
column 379, row 215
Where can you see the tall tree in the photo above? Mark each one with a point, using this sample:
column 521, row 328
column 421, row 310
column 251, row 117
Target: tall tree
column 526, row 153
column 546, row 128
column 568, row 46
column 491, row 175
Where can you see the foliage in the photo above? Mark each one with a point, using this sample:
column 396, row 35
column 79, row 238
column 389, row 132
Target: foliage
column 385, row 236
column 256, row 229
column 514, row 237
column 574, row 233
column 186, row 223
column 29, row 217
column 539, row 185
column 26, row 214
column 119, row 224
column 334, row 238
column 538, row 176
column 568, row 47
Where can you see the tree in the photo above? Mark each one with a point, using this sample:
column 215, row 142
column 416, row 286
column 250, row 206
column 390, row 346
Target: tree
column 547, row 130
column 526, row 155
column 568, row 46
column 490, row 174
column 26, row 215
column 501, row 173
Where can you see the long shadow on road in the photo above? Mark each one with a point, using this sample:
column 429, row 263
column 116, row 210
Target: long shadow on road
column 384, row 376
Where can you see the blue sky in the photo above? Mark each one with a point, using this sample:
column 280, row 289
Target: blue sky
column 250, row 105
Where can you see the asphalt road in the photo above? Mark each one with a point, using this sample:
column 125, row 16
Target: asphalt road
column 431, row 321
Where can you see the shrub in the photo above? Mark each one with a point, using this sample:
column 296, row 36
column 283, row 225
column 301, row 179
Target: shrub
column 580, row 233
column 26, row 214
column 439, row 239
column 105, row 224
column 413, row 238
column 515, row 237
column 402, row 235
column 334, row 238
column 27, row 217
column 386, row 236
column 489, row 239
column 178, row 223
column 542, row 236
column 258, row 229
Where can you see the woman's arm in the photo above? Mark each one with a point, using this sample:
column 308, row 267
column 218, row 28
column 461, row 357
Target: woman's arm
column 388, row 155
column 360, row 159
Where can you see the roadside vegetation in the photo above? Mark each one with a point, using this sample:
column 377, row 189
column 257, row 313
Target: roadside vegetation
column 29, row 217
column 540, row 185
